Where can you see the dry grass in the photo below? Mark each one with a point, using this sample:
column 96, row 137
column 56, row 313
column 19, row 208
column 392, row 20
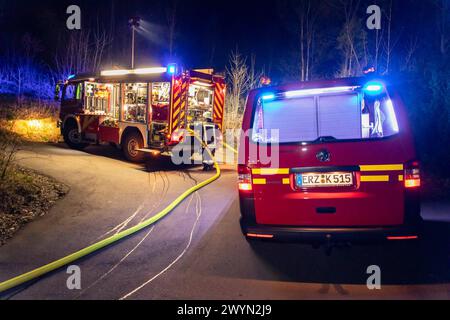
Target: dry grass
column 36, row 129
column 32, row 122
column 27, row 121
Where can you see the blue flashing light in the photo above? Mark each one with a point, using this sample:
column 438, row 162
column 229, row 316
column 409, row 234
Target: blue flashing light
column 71, row 77
column 172, row 68
column 268, row 96
column 374, row 88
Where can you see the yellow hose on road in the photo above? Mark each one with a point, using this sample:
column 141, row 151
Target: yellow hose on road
column 16, row 281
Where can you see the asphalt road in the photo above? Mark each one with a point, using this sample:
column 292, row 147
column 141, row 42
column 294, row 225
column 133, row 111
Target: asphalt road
column 197, row 252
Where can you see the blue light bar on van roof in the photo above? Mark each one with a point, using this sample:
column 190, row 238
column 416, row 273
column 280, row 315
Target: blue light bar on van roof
column 268, row 96
column 71, row 77
column 316, row 91
column 374, row 87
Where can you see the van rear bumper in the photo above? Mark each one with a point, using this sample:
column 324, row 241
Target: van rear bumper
column 314, row 235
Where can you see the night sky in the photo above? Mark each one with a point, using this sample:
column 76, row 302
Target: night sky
column 206, row 31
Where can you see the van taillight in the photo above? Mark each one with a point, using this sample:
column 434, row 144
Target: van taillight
column 412, row 174
column 244, row 178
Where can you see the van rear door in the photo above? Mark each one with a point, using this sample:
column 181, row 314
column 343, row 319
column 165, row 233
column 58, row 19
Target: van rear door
column 340, row 164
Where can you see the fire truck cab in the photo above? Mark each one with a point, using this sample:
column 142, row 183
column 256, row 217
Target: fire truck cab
column 143, row 110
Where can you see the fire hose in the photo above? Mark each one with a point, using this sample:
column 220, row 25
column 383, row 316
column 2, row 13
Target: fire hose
column 36, row 273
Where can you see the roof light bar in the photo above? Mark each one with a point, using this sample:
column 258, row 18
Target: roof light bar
column 149, row 70
column 268, row 96
column 139, row 71
column 311, row 92
column 114, row 72
column 374, row 87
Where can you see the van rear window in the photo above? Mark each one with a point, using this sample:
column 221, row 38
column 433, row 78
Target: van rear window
column 340, row 116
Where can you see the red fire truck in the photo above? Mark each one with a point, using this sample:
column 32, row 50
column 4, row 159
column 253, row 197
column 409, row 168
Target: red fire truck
column 143, row 110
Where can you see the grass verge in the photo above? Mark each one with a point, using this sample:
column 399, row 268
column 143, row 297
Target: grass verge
column 24, row 196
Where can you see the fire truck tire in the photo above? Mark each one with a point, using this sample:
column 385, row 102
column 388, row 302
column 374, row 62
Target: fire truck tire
column 133, row 141
column 72, row 137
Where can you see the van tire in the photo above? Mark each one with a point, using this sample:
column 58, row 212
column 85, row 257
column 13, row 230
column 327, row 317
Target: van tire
column 72, row 137
column 132, row 141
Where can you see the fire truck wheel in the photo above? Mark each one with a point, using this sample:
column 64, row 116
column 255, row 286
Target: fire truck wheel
column 73, row 138
column 133, row 141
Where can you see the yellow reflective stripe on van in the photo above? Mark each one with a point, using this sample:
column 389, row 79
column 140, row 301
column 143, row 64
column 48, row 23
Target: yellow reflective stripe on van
column 400, row 178
column 374, row 178
column 259, row 181
column 381, row 167
column 270, row 171
column 286, row 181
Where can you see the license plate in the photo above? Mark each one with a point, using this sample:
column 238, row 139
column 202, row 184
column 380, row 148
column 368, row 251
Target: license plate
column 329, row 179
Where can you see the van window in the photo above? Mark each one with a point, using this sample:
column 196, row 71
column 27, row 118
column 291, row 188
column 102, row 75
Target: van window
column 346, row 116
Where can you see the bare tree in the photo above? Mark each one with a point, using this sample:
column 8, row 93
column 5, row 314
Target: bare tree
column 307, row 19
column 83, row 52
column 171, row 16
column 377, row 46
column 411, row 49
column 238, row 80
column 390, row 42
column 254, row 76
column 241, row 79
column 25, row 77
column 350, row 38
column 443, row 23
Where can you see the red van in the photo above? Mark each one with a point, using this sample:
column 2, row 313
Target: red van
column 342, row 167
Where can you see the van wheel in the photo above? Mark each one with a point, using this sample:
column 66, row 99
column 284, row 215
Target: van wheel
column 73, row 138
column 131, row 143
